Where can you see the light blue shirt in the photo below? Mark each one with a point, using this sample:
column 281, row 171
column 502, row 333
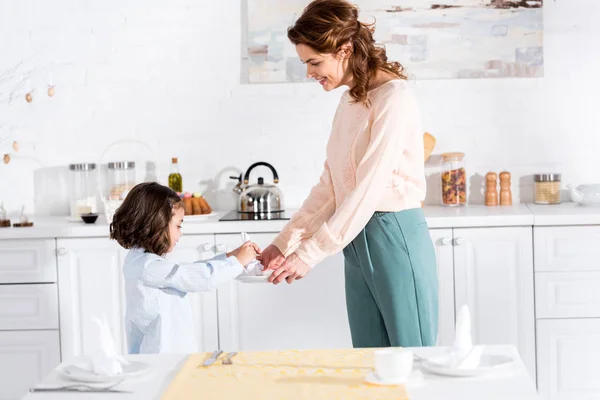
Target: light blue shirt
column 158, row 316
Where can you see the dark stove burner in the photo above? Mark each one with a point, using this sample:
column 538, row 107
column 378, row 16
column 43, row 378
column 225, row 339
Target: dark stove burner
column 239, row 216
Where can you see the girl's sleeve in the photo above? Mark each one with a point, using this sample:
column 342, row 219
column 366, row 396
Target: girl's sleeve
column 190, row 277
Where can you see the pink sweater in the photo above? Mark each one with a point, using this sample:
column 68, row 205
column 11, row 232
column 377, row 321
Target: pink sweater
column 374, row 163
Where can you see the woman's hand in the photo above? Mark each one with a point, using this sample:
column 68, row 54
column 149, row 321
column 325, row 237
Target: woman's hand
column 293, row 268
column 271, row 257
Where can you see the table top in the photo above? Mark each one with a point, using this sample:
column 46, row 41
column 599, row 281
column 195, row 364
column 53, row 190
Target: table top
column 514, row 383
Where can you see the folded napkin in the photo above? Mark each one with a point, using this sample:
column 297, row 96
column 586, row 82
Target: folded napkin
column 254, row 268
column 106, row 361
column 462, row 354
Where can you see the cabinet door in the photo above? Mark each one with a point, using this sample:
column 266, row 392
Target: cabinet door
column 568, row 359
column 442, row 239
column 493, row 271
column 26, row 357
column 308, row 314
column 204, row 305
column 90, row 285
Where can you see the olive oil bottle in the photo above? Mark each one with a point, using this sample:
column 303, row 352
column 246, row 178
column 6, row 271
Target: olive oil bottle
column 175, row 181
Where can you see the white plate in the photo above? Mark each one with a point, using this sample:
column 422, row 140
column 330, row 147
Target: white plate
column 489, row 363
column 81, row 372
column 199, row 217
column 373, row 378
column 253, row 278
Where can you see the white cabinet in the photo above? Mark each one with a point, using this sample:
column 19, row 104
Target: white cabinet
column 25, row 358
column 567, row 279
column 493, row 275
column 310, row 313
column 29, row 336
column 90, row 282
column 204, row 305
column 569, row 359
column 442, row 240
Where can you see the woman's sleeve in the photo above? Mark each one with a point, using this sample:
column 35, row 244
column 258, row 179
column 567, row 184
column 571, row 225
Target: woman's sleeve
column 394, row 119
column 316, row 209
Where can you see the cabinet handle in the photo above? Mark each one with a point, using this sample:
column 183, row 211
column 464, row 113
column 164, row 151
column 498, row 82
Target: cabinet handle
column 62, row 251
column 445, row 241
column 220, row 248
column 459, row 241
column 205, row 247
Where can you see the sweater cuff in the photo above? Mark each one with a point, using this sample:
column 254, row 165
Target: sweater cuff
column 310, row 252
column 282, row 245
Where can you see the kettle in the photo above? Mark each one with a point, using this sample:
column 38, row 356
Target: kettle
column 260, row 197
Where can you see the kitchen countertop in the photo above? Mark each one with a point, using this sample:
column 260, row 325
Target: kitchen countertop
column 438, row 217
column 564, row 214
column 514, row 383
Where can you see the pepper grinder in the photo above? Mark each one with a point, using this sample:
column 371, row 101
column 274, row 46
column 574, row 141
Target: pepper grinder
column 491, row 189
column 505, row 193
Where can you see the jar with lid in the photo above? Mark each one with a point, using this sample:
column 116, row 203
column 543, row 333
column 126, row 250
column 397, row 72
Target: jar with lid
column 454, row 179
column 121, row 179
column 547, row 188
column 83, row 179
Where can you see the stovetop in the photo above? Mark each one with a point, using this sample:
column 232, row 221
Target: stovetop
column 239, row 216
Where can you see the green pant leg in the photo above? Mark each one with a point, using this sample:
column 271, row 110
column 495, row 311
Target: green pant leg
column 404, row 276
column 366, row 323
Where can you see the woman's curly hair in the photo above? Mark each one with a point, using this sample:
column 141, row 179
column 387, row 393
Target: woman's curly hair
column 326, row 25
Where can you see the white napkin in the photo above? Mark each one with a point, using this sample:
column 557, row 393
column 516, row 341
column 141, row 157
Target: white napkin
column 254, row 268
column 106, row 361
column 462, row 354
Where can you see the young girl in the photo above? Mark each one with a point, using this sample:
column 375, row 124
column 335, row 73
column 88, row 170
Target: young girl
column 158, row 318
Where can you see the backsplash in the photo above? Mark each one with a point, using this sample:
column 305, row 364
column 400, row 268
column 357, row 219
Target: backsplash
column 168, row 75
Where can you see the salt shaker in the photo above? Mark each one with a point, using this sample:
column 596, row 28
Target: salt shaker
column 491, row 189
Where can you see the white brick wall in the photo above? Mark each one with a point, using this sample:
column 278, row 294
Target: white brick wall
column 168, row 73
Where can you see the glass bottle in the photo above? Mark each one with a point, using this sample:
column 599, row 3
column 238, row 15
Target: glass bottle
column 175, row 181
column 454, row 179
column 83, row 188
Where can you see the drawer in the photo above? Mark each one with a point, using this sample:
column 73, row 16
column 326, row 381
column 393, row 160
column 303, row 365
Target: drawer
column 27, row 261
column 568, row 248
column 25, row 307
column 567, row 294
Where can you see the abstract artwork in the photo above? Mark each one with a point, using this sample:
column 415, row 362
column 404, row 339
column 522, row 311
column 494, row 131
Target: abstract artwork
column 443, row 39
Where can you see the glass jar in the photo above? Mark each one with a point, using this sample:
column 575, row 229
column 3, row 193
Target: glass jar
column 547, row 188
column 83, row 179
column 454, row 179
column 121, row 179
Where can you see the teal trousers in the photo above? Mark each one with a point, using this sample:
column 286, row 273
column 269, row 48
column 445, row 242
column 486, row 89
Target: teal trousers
column 391, row 282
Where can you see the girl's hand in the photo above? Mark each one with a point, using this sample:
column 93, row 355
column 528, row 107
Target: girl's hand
column 246, row 253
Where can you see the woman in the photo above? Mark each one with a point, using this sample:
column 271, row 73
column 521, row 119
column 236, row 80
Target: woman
column 368, row 199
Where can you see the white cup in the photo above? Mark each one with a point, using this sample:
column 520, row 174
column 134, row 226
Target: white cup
column 393, row 364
